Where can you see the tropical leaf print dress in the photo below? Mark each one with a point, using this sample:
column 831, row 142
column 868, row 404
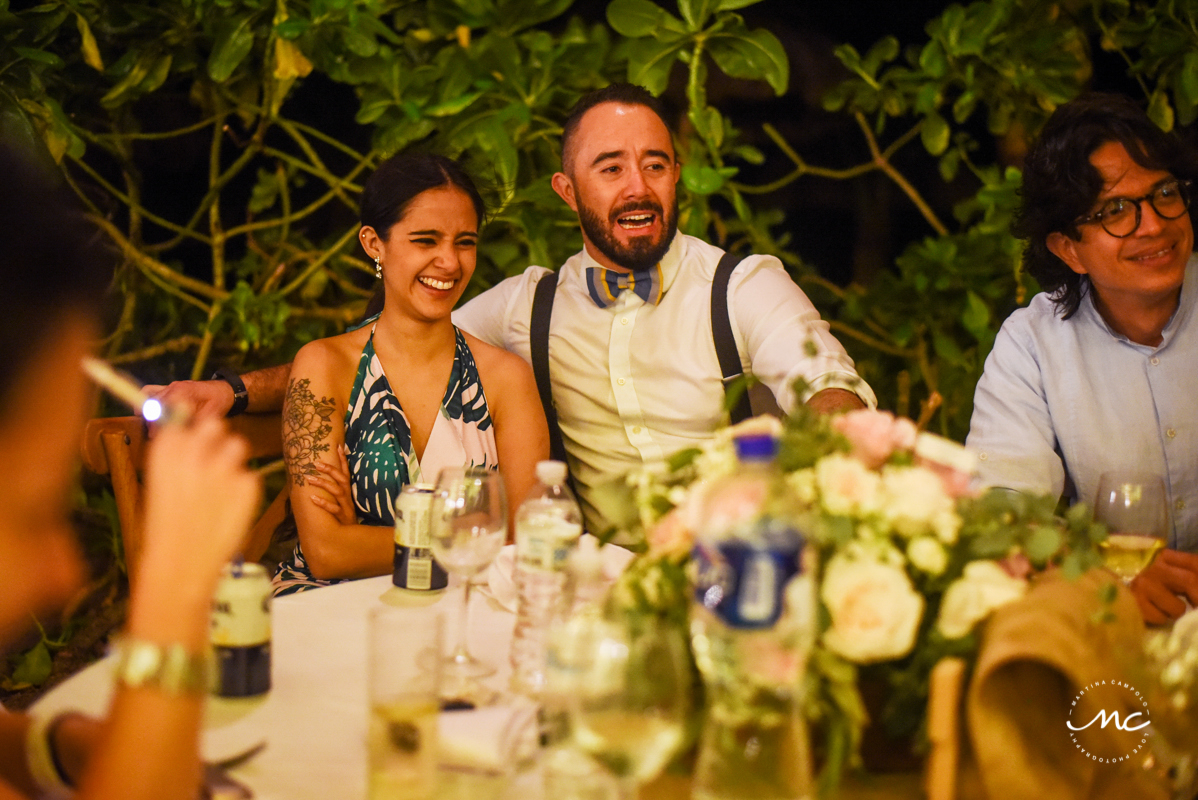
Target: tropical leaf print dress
column 381, row 457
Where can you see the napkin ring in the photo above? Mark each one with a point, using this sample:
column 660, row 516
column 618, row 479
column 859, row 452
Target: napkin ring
column 168, row 668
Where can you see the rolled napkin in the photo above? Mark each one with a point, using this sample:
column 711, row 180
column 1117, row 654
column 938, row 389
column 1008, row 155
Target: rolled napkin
column 491, row 739
column 499, row 580
column 1060, row 650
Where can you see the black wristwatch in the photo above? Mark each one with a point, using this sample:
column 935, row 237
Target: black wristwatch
column 241, row 398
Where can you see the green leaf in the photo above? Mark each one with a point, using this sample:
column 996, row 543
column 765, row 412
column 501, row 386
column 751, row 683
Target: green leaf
column 233, row 43
column 34, row 666
column 649, row 63
column 709, row 123
column 292, row 28
column 976, row 317
column 754, row 55
column 935, row 134
column 702, row 180
column 1042, row 544
column 948, row 349
column 1159, row 110
column 932, row 60
column 454, row 106
column 733, row 5
column 40, row 56
column 696, row 12
column 749, row 153
column 157, row 74
column 265, row 191
column 635, row 18
column 91, row 52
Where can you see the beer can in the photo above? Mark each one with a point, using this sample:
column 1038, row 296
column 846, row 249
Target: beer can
column 415, row 567
column 240, row 633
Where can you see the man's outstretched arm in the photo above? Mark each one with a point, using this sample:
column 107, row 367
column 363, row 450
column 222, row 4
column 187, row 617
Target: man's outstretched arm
column 264, row 387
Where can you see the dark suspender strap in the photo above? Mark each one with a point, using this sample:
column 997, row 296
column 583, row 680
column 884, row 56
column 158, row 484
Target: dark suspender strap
column 538, row 334
column 725, row 342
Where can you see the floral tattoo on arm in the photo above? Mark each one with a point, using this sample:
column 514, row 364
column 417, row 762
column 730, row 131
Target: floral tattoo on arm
column 306, row 428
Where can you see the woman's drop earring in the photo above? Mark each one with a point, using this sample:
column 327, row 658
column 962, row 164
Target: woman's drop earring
column 378, row 268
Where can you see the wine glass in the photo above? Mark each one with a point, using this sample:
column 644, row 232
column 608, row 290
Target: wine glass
column 631, row 695
column 1132, row 506
column 468, row 526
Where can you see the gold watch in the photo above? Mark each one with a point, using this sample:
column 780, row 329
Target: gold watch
column 169, row 668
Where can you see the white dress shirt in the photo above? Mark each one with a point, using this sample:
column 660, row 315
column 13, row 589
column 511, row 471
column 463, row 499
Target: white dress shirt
column 636, row 382
column 1062, row 401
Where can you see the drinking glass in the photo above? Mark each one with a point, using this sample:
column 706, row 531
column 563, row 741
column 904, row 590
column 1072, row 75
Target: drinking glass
column 468, row 526
column 632, row 691
column 405, row 646
column 1132, row 506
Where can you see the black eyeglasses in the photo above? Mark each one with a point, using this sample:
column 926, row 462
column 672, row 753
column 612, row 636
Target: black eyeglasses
column 1121, row 216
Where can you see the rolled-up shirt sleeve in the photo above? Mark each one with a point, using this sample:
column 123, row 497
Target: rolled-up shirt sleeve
column 1011, row 429
column 500, row 316
column 784, row 337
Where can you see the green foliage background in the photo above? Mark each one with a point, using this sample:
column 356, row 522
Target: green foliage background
column 260, row 256
column 243, row 264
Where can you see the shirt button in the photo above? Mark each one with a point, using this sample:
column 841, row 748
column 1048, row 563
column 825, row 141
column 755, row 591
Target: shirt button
column 1170, row 433
column 636, row 428
column 621, row 382
column 1180, row 505
column 1154, row 361
column 624, row 321
column 982, row 456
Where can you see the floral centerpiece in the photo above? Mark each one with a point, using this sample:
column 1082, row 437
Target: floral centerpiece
column 910, row 563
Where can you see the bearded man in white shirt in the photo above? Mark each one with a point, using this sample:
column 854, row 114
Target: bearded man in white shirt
column 632, row 361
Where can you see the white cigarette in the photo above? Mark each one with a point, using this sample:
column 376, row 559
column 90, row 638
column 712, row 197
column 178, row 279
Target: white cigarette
column 125, row 389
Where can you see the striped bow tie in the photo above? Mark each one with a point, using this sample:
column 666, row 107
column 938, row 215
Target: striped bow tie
column 605, row 285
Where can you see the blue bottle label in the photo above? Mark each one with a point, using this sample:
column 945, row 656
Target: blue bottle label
column 743, row 583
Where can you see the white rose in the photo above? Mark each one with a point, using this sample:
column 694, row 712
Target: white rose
column 846, row 485
column 874, row 609
column 914, row 501
column 927, row 555
column 983, row 587
column 802, row 485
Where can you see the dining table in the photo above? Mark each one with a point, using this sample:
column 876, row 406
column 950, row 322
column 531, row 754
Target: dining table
column 313, row 720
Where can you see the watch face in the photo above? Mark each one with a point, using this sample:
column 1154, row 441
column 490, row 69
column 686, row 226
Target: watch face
column 141, row 664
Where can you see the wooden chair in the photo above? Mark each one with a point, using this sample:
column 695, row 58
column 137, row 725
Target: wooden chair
column 946, row 704
column 116, row 446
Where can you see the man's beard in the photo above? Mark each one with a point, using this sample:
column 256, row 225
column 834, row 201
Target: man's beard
column 642, row 253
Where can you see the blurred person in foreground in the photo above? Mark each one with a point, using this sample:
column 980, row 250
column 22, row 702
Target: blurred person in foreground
column 631, row 356
column 53, row 272
column 1100, row 371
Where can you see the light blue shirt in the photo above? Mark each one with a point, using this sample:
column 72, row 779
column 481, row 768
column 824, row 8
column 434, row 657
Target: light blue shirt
column 1062, row 401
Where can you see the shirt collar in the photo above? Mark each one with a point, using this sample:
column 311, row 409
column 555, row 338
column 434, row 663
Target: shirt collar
column 1185, row 307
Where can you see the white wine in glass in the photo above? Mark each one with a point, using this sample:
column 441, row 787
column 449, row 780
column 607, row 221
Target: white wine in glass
column 1133, row 508
column 630, row 708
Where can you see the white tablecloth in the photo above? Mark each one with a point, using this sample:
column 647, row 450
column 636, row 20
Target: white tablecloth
column 314, row 718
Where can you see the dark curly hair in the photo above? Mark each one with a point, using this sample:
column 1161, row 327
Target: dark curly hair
column 1060, row 184
column 628, row 94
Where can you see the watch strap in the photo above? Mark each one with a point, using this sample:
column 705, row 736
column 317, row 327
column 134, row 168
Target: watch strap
column 170, row 668
column 241, row 397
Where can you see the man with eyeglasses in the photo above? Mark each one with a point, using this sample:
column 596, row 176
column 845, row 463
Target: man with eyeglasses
column 1100, row 371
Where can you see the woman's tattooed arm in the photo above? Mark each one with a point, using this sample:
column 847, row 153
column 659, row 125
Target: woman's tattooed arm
column 306, row 429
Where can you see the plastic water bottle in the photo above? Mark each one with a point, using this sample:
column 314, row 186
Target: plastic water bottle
column 548, row 525
column 751, row 627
